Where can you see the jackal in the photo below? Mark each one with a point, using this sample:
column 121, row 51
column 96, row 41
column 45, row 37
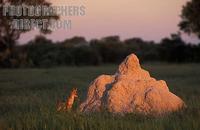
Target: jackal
column 67, row 105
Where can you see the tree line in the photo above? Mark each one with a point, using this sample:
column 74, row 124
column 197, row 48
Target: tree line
column 42, row 52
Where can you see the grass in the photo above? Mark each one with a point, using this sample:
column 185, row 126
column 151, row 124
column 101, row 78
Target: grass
column 28, row 97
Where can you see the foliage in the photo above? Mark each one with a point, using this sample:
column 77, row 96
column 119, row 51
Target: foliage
column 191, row 17
column 42, row 52
column 9, row 35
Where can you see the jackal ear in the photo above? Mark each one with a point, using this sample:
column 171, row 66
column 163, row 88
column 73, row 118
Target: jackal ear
column 75, row 89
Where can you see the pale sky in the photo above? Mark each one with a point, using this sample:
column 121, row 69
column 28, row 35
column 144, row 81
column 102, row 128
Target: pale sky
column 148, row 19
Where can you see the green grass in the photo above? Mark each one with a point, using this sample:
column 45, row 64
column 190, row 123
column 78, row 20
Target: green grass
column 28, row 97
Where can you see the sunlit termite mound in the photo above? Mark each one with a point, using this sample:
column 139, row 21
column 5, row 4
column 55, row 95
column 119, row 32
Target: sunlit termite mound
column 130, row 90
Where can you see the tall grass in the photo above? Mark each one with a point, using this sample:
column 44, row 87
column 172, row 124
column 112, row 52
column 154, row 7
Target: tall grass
column 28, row 97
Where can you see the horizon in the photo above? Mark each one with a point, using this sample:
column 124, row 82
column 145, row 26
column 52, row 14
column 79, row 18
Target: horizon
column 151, row 21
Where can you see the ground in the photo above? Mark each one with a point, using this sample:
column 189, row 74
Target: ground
column 28, row 98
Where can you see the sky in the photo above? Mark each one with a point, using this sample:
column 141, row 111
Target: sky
column 148, row 19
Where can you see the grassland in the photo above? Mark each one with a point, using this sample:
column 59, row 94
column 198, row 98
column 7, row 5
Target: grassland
column 28, row 97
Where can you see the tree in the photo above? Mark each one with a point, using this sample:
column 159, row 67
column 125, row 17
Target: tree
column 9, row 35
column 190, row 22
column 111, row 39
column 75, row 42
column 173, row 49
